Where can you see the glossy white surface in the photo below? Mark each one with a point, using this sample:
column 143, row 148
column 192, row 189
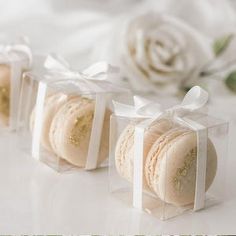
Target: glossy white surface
column 36, row 200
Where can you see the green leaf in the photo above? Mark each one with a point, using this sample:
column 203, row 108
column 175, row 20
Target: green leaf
column 231, row 81
column 222, row 43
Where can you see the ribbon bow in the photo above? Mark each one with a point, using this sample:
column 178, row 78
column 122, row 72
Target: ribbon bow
column 195, row 99
column 16, row 48
column 58, row 67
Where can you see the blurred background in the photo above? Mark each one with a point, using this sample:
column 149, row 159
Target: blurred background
column 81, row 29
column 63, row 25
column 83, row 32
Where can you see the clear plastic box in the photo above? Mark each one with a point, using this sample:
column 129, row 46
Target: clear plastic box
column 15, row 59
column 170, row 177
column 64, row 121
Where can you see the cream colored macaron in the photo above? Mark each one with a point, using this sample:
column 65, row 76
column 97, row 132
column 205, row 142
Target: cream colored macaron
column 71, row 129
column 5, row 74
column 170, row 167
column 124, row 153
column 51, row 106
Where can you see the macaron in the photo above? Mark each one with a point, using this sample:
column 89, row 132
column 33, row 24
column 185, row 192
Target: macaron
column 170, row 167
column 51, row 106
column 169, row 160
column 5, row 74
column 124, row 152
column 71, row 129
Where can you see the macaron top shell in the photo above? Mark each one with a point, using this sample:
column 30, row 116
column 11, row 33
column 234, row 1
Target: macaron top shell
column 174, row 173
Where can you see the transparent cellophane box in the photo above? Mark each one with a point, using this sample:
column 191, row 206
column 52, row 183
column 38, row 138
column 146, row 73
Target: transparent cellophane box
column 120, row 187
column 67, row 88
column 10, row 84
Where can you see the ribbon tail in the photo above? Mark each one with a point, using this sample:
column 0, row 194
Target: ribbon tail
column 121, row 109
column 56, row 63
column 195, row 99
column 100, row 70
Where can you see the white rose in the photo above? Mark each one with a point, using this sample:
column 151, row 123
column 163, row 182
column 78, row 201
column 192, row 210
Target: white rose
column 161, row 50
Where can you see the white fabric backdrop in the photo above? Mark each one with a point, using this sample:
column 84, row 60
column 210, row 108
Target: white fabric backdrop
column 74, row 27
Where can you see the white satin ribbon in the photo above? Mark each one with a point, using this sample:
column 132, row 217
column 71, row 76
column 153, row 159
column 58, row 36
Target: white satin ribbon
column 59, row 72
column 194, row 100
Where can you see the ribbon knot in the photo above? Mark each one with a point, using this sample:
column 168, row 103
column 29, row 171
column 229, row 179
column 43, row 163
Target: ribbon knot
column 16, row 49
